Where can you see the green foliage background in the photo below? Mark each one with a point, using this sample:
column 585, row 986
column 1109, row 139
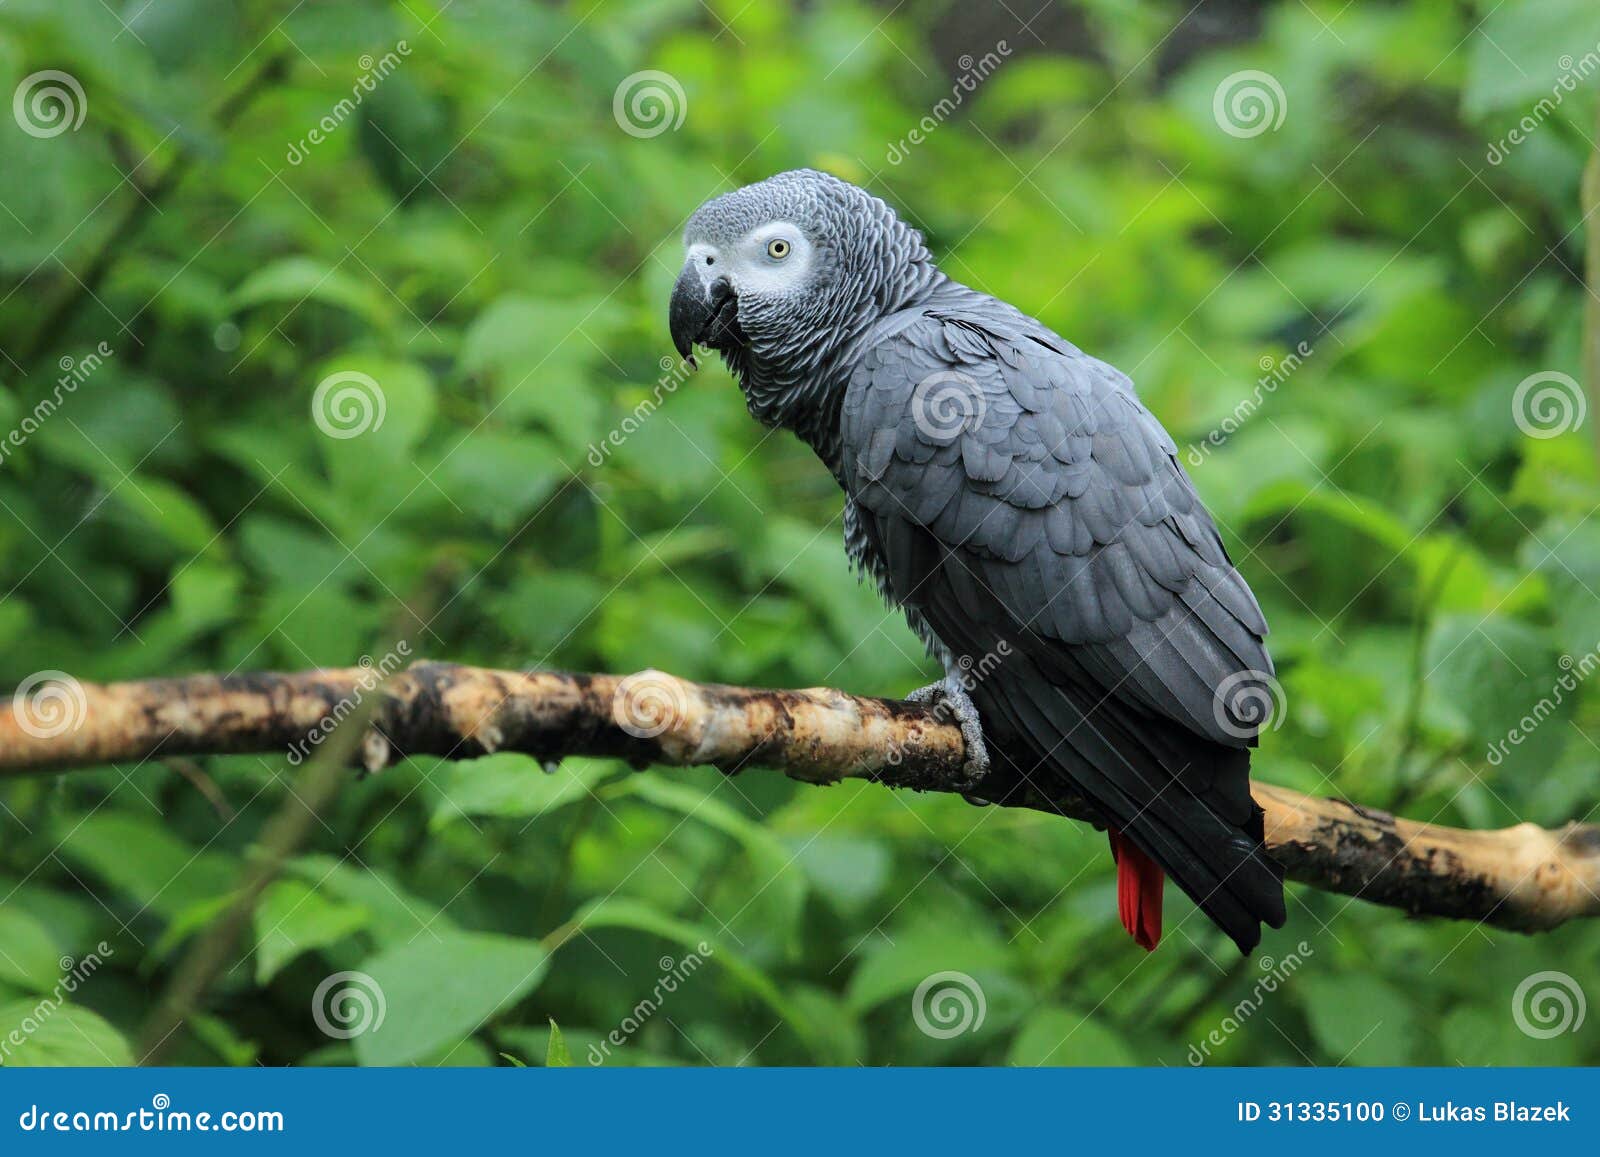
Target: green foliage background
column 482, row 238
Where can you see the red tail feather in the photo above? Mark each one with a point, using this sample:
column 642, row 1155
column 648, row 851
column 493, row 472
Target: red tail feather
column 1139, row 882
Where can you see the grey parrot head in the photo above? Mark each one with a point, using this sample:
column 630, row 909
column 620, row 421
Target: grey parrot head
column 780, row 275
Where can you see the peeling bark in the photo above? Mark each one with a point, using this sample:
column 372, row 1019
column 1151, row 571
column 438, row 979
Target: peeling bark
column 1524, row 878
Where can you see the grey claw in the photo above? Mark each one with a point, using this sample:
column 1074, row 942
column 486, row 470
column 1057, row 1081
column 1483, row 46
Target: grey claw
column 949, row 699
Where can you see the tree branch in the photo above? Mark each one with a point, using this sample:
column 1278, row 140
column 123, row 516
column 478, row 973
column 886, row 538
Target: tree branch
column 1524, row 878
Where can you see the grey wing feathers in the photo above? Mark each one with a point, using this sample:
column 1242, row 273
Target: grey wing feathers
column 1015, row 490
column 1067, row 496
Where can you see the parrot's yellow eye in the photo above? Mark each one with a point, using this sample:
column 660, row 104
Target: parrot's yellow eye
column 777, row 249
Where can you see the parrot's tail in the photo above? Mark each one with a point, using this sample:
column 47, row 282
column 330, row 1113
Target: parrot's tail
column 1139, row 885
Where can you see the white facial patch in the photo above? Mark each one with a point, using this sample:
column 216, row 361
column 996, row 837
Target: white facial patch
column 771, row 259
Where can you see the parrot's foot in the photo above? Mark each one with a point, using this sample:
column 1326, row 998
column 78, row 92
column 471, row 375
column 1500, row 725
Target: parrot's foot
column 950, row 702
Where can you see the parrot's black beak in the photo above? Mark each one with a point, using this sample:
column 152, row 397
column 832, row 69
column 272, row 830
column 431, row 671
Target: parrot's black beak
column 702, row 314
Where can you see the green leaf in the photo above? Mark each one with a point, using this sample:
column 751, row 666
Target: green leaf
column 1358, row 1019
column 396, row 915
column 511, row 786
column 775, row 872
column 292, row 918
column 168, row 510
column 539, row 354
column 140, row 858
column 498, row 477
column 1502, row 683
column 369, row 413
column 1517, row 53
column 1061, row 1036
column 29, row 958
column 850, row 870
column 898, row 965
column 624, row 913
column 294, row 280
column 60, row 1036
column 556, row 1055
column 440, row 991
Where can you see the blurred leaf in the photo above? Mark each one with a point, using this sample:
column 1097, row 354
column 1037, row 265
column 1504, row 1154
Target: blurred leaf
column 1517, row 52
column 1358, row 1019
column 510, row 786
column 1059, row 1036
column 60, row 1036
column 440, row 990
column 292, row 918
column 295, row 280
column 28, row 956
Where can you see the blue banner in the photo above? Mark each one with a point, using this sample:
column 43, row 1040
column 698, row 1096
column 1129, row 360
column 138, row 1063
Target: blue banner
column 801, row 1111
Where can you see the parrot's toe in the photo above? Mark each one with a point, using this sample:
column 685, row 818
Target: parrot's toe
column 950, row 701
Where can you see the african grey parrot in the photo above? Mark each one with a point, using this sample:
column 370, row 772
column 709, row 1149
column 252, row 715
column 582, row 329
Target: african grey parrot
column 1029, row 515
